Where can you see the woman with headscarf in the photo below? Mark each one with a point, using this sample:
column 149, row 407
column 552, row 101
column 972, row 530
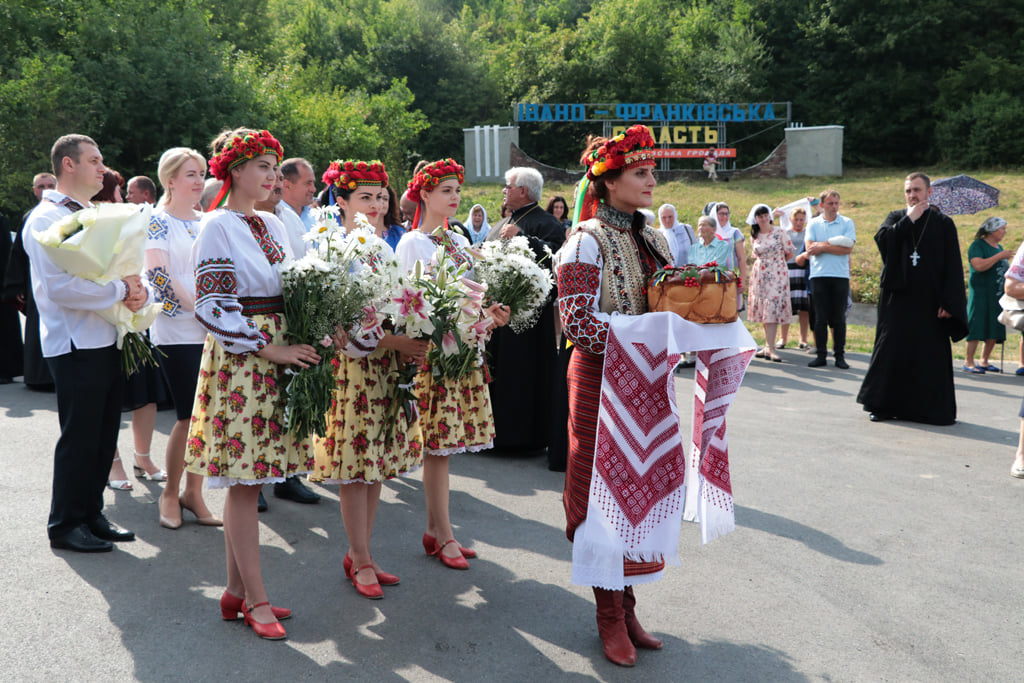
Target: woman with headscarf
column 477, row 225
column 769, row 279
column 725, row 230
column 679, row 235
column 988, row 262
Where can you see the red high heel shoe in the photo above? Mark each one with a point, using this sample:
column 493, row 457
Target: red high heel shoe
column 430, row 544
column 271, row 631
column 383, row 578
column 459, row 562
column 231, row 607
column 372, row 591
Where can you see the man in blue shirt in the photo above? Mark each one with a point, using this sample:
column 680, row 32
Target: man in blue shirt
column 830, row 239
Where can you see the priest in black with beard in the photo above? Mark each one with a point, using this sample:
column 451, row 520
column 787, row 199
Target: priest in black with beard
column 922, row 307
column 523, row 365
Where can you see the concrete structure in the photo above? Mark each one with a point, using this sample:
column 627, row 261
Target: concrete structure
column 814, row 151
column 487, row 152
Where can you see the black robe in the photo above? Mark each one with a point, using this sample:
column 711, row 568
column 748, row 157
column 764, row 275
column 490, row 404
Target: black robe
column 11, row 351
column 911, row 372
column 17, row 281
column 523, row 365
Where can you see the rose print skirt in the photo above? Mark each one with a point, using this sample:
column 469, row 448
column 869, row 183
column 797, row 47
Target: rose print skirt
column 236, row 434
column 357, row 446
column 455, row 415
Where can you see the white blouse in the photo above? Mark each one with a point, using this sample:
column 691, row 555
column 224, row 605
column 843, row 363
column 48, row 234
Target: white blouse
column 417, row 245
column 172, row 279
column 234, row 257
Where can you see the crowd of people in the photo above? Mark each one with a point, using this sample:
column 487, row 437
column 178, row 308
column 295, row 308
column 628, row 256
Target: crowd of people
column 212, row 257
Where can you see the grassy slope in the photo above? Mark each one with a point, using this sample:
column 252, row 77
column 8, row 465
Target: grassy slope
column 868, row 195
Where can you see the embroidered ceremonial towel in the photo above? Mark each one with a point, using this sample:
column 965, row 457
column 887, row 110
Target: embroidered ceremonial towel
column 637, row 496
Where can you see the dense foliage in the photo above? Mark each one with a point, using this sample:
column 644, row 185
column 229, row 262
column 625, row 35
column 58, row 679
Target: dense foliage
column 912, row 81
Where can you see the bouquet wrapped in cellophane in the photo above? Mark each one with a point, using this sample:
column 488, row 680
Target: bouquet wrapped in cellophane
column 323, row 290
column 514, row 279
column 103, row 244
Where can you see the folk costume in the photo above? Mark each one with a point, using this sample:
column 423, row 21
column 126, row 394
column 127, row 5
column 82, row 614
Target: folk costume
column 911, row 372
column 455, row 415
column 523, row 364
column 356, row 447
column 237, row 434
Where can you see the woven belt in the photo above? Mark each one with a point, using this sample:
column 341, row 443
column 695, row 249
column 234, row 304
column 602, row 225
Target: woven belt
column 261, row 305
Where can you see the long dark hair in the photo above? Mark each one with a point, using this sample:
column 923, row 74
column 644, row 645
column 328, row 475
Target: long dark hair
column 755, row 229
column 551, row 207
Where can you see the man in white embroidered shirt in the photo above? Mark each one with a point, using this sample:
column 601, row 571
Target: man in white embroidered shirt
column 79, row 347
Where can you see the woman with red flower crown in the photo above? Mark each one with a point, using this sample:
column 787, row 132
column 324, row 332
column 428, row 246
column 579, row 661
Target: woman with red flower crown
column 455, row 415
column 236, row 439
column 602, row 269
column 359, row 451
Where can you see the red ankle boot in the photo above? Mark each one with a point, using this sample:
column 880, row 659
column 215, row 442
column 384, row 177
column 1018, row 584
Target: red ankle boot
column 637, row 634
column 611, row 626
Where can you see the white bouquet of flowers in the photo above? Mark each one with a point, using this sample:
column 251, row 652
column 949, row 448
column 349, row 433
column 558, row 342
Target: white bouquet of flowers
column 103, row 244
column 515, row 279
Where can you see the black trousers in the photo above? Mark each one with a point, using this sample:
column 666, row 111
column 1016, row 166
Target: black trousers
column 89, row 385
column 828, row 298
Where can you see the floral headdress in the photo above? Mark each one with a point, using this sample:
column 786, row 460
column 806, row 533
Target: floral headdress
column 432, row 175
column 630, row 149
column 348, row 175
column 238, row 150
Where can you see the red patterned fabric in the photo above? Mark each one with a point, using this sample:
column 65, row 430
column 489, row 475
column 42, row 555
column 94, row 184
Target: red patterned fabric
column 452, row 250
column 270, row 247
column 578, row 285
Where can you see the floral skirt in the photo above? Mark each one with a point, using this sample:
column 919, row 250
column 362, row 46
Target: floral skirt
column 236, row 434
column 356, row 448
column 455, row 415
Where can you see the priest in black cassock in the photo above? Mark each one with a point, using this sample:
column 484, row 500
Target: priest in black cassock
column 523, row 365
column 922, row 307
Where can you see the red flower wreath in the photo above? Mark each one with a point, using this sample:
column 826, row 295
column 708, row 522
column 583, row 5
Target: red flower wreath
column 348, row 175
column 432, row 175
column 632, row 148
column 242, row 148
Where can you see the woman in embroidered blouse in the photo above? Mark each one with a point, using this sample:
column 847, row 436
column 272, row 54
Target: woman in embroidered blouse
column 236, row 438
column 172, row 232
column 455, row 415
column 603, row 268
column 357, row 452
column 769, row 278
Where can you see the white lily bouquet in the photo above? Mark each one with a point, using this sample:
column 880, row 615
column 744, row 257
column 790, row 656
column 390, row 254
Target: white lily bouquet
column 103, row 244
column 515, row 279
column 324, row 289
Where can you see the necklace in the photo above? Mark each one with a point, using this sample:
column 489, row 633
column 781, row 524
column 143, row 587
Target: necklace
column 515, row 221
column 914, row 256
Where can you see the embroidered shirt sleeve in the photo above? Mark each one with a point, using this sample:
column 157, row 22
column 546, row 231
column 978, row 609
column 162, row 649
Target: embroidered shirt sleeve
column 579, row 287
column 217, row 306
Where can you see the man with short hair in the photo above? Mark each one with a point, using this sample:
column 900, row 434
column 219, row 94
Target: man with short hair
column 830, row 277
column 523, row 365
column 299, row 186
column 42, row 182
column 81, row 350
column 141, row 190
column 922, row 307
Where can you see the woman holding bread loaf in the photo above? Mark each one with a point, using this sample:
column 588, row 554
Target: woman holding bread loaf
column 603, row 268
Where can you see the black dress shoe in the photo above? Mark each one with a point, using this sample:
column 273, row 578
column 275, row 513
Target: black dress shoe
column 293, row 489
column 818, row 362
column 878, row 417
column 261, row 503
column 842, row 364
column 103, row 528
column 81, row 540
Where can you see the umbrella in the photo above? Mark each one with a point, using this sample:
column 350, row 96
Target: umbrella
column 963, row 194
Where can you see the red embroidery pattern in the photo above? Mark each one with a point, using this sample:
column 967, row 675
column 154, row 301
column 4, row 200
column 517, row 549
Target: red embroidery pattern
column 215, row 277
column 577, row 289
column 270, row 247
column 452, row 250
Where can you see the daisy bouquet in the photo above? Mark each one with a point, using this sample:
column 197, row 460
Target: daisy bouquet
column 103, row 244
column 323, row 290
column 515, row 279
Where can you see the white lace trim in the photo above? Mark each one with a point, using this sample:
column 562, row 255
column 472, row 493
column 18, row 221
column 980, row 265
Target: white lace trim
column 444, row 452
column 227, row 482
column 593, row 565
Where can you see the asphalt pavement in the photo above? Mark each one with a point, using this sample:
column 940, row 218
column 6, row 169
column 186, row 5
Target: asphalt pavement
column 863, row 552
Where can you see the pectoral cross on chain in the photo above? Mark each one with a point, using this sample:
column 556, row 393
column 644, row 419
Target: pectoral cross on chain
column 914, row 258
